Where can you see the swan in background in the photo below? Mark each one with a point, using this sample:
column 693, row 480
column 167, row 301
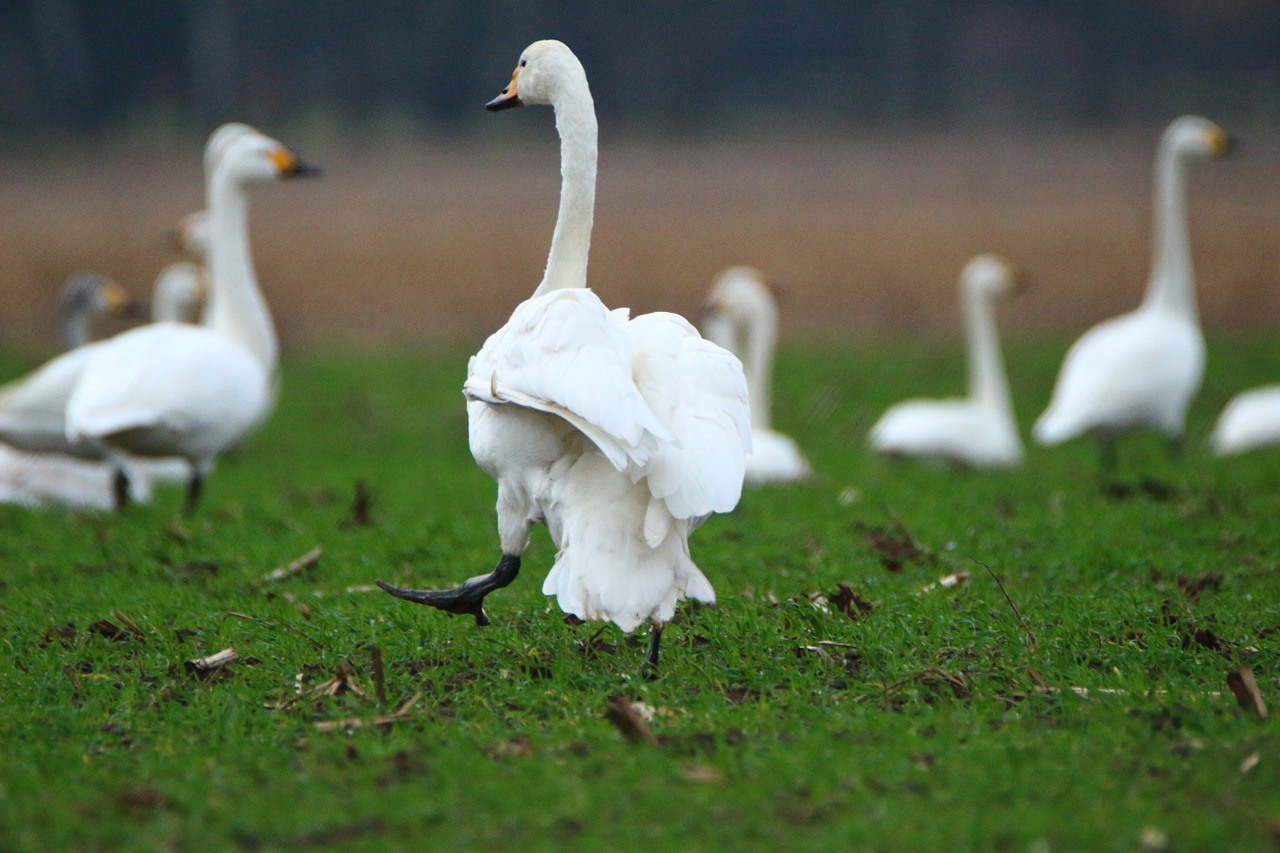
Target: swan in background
column 1251, row 420
column 1141, row 369
column 171, row 389
column 40, row 479
column 741, row 315
column 85, row 297
column 978, row 430
column 621, row 435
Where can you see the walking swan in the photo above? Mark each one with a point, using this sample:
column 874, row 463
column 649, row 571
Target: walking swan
column 620, row 435
column 978, row 430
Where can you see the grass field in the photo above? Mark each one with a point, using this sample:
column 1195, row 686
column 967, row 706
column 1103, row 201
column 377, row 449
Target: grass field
column 1087, row 710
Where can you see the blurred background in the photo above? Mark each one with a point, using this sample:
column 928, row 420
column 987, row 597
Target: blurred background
column 858, row 151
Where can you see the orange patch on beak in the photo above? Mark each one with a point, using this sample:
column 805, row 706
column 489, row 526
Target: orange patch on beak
column 284, row 160
column 509, row 97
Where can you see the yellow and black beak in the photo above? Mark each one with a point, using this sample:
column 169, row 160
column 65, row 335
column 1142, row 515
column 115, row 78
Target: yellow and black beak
column 1019, row 280
column 118, row 303
column 1222, row 143
column 290, row 166
column 509, row 97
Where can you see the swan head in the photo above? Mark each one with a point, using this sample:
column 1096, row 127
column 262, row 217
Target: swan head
column 544, row 69
column 250, row 157
column 739, row 292
column 991, row 275
column 1193, row 137
column 191, row 235
column 91, row 294
column 220, row 139
column 179, row 291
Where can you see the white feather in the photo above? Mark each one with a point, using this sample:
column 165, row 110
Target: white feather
column 620, row 434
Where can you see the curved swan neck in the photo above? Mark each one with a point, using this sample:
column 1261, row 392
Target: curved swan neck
column 988, row 383
column 571, row 241
column 236, row 308
column 1171, row 286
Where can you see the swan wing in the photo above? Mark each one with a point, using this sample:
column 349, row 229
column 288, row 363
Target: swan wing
column 176, row 389
column 33, row 408
column 566, row 354
column 699, row 392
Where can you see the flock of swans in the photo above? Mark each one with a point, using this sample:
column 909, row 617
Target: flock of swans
column 621, row 434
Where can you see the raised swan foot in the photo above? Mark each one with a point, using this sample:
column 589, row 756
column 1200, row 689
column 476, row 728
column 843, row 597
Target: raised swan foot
column 467, row 597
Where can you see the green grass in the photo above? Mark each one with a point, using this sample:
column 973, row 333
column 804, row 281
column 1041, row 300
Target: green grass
column 779, row 724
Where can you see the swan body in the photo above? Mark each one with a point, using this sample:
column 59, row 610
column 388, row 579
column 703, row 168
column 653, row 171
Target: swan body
column 1140, row 370
column 741, row 315
column 1251, row 420
column 170, row 389
column 978, row 430
column 620, row 434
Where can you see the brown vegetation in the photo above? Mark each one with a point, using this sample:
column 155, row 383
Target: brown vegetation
column 866, row 239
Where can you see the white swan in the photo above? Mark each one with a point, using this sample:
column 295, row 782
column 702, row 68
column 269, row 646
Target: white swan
column 1141, row 369
column 978, row 430
column 37, row 479
column 170, row 389
column 621, row 435
column 741, row 315
column 1251, row 420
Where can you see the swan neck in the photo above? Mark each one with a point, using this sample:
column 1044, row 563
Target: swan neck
column 988, row 383
column 236, row 308
column 761, row 337
column 571, row 241
column 1172, row 283
column 75, row 329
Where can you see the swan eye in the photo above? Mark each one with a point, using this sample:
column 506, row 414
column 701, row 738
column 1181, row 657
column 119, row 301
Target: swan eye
column 523, row 63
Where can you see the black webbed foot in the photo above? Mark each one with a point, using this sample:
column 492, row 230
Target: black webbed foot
column 467, row 597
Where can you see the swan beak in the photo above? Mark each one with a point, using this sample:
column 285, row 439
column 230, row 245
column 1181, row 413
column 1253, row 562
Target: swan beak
column 509, row 97
column 1019, row 281
column 1221, row 143
column 290, row 166
column 117, row 301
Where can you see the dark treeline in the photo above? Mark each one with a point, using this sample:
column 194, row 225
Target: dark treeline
column 674, row 66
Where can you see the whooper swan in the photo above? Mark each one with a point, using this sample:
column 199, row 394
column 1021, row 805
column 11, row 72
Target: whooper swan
column 741, row 315
column 170, row 389
column 1141, row 369
column 1251, row 420
column 978, row 430
column 620, row 435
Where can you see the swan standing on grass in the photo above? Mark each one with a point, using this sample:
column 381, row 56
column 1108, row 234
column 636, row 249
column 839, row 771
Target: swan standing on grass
column 170, row 389
column 37, row 479
column 1251, row 420
column 40, row 479
column 621, row 435
column 1141, row 369
column 980, row 429
column 741, row 315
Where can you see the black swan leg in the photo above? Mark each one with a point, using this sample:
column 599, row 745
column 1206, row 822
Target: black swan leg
column 467, row 597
